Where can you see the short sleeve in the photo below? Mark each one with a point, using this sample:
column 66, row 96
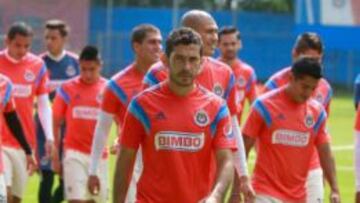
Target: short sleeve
column 231, row 95
column 222, row 129
column 135, row 125
column 320, row 129
column 42, row 80
column 113, row 103
column 60, row 104
column 254, row 123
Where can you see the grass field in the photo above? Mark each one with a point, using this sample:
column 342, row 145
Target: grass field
column 341, row 128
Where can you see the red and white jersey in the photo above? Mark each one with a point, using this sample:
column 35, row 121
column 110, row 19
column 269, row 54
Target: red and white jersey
column 286, row 134
column 178, row 136
column 322, row 93
column 29, row 79
column 78, row 104
column 6, row 105
column 245, row 83
column 215, row 76
column 119, row 91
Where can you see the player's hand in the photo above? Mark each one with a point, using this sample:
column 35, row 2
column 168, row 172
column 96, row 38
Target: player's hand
column 247, row 190
column 93, row 184
column 357, row 197
column 56, row 165
column 49, row 149
column 335, row 197
column 235, row 195
column 31, row 165
column 210, row 199
column 115, row 148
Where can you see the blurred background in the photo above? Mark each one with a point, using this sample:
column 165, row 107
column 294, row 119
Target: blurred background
column 268, row 28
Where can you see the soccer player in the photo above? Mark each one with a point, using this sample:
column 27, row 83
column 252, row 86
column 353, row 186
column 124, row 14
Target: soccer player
column 61, row 65
column 7, row 109
column 183, row 131
column 287, row 124
column 214, row 76
column 146, row 43
column 229, row 44
column 28, row 74
column 308, row 44
column 77, row 103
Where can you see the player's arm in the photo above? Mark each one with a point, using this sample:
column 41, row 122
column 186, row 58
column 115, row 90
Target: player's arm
column 251, row 91
column 59, row 110
column 224, row 174
column 123, row 172
column 102, row 129
column 326, row 158
column 131, row 136
column 328, row 166
column 357, row 91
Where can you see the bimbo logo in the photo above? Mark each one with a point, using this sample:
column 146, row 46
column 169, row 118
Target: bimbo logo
column 22, row 91
column 85, row 112
column 291, row 138
column 179, row 141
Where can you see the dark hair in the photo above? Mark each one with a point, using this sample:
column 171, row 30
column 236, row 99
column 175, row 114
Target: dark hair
column 182, row 36
column 308, row 40
column 229, row 30
column 307, row 66
column 90, row 53
column 19, row 28
column 60, row 25
column 139, row 32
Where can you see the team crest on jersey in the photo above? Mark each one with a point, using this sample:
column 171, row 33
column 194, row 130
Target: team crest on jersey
column 70, row 71
column 29, row 76
column 201, row 118
column 309, row 120
column 218, row 90
column 228, row 131
column 241, row 81
column 319, row 98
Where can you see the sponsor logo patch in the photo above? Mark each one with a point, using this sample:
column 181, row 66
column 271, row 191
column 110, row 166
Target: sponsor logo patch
column 291, row 138
column 201, row 118
column 179, row 141
column 22, row 91
column 85, row 112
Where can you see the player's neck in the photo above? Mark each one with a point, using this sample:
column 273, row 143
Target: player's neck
column 142, row 67
column 180, row 90
column 228, row 61
column 57, row 55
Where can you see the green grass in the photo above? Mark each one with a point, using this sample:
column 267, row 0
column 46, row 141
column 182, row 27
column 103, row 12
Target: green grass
column 340, row 126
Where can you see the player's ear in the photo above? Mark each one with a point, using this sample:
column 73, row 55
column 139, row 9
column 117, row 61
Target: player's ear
column 294, row 54
column 6, row 41
column 164, row 59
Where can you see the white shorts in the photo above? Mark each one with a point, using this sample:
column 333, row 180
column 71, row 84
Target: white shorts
column 131, row 195
column 15, row 172
column 75, row 171
column 315, row 186
column 266, row 199
column 3, row 198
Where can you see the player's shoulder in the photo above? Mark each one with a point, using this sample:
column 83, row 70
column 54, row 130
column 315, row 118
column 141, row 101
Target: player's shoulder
column 32, row 58
column 217, row 64
column 270, row 96
column 149, row 93
column 4, row 80
column 157, row 68
column 71, row 55
column 71, row 83
column 280, row 74
column 316, row 106
column 324, row 83
column 119, row 77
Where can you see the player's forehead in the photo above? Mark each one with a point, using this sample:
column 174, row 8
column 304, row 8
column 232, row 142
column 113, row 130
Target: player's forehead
column 52, row 32
column 21, row 39
column 229, row 37
column 152, row 35
column 186, row 50
column 207, row 24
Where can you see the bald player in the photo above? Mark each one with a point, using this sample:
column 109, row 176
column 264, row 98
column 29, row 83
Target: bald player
column 213, row 75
